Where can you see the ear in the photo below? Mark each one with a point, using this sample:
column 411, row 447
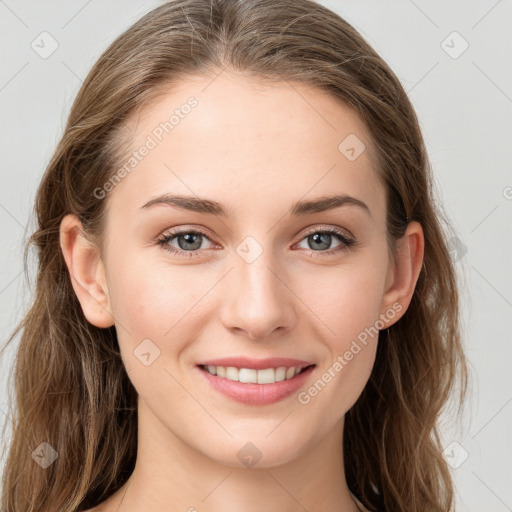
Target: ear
column 403, row 274
column 86, row 272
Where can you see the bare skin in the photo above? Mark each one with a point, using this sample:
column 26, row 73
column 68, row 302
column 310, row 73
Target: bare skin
column 256, row 148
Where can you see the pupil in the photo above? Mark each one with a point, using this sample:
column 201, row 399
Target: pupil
column 189, row 239
column 317, row 238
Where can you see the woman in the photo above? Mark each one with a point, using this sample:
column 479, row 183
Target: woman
column 245, row 299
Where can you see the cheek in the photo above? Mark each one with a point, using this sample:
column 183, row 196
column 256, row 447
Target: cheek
column 348, row 306
column 150, row 296
column 354, row 335
column 345, row 300
column 155, row 321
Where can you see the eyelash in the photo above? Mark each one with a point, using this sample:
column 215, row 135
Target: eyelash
column 346, row 242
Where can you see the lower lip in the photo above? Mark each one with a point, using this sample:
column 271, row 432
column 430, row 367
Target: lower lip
column 257, row 394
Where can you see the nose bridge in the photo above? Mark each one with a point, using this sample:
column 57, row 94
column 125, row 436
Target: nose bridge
column 258, row 302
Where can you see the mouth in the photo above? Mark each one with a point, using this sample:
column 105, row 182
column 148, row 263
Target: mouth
column 257, row 386
column 254, row 376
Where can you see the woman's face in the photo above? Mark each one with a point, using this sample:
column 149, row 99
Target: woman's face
column 261, row 280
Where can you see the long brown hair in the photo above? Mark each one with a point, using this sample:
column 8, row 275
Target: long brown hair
column 71, row 388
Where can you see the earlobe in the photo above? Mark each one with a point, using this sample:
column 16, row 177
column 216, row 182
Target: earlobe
column 86, row 271
column 403, row 274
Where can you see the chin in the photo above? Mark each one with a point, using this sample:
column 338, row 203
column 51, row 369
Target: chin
column 257, row 451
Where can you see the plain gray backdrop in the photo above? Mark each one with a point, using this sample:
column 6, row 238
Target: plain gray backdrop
column 454, row 61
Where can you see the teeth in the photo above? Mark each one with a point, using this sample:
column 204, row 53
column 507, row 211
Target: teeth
column 247, row 375
column 251, row 376
column 290, row 373
column 280, row 374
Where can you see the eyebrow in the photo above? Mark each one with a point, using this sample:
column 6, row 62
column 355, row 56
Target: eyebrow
column 300, row 208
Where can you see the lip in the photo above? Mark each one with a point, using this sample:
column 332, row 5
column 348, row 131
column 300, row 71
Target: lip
column 257, row 394
column 256, row 364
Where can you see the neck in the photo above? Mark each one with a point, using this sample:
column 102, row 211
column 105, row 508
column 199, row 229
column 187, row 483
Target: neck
column 171, row 476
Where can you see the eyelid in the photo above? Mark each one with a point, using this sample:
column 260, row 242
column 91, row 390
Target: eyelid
column 175, row 232
column 188, row 228
column 315, row 228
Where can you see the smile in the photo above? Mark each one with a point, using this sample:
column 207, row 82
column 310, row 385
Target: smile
column 252, row 376
column 257, row 386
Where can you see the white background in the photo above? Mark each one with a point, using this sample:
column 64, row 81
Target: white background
column 465, row 109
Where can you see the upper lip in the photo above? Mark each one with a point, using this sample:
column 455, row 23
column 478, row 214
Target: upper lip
column 256, row 364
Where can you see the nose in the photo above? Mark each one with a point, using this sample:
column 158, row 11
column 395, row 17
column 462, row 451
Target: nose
column 260, row 301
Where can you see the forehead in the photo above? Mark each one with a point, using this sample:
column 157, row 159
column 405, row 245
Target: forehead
column 247, row 143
